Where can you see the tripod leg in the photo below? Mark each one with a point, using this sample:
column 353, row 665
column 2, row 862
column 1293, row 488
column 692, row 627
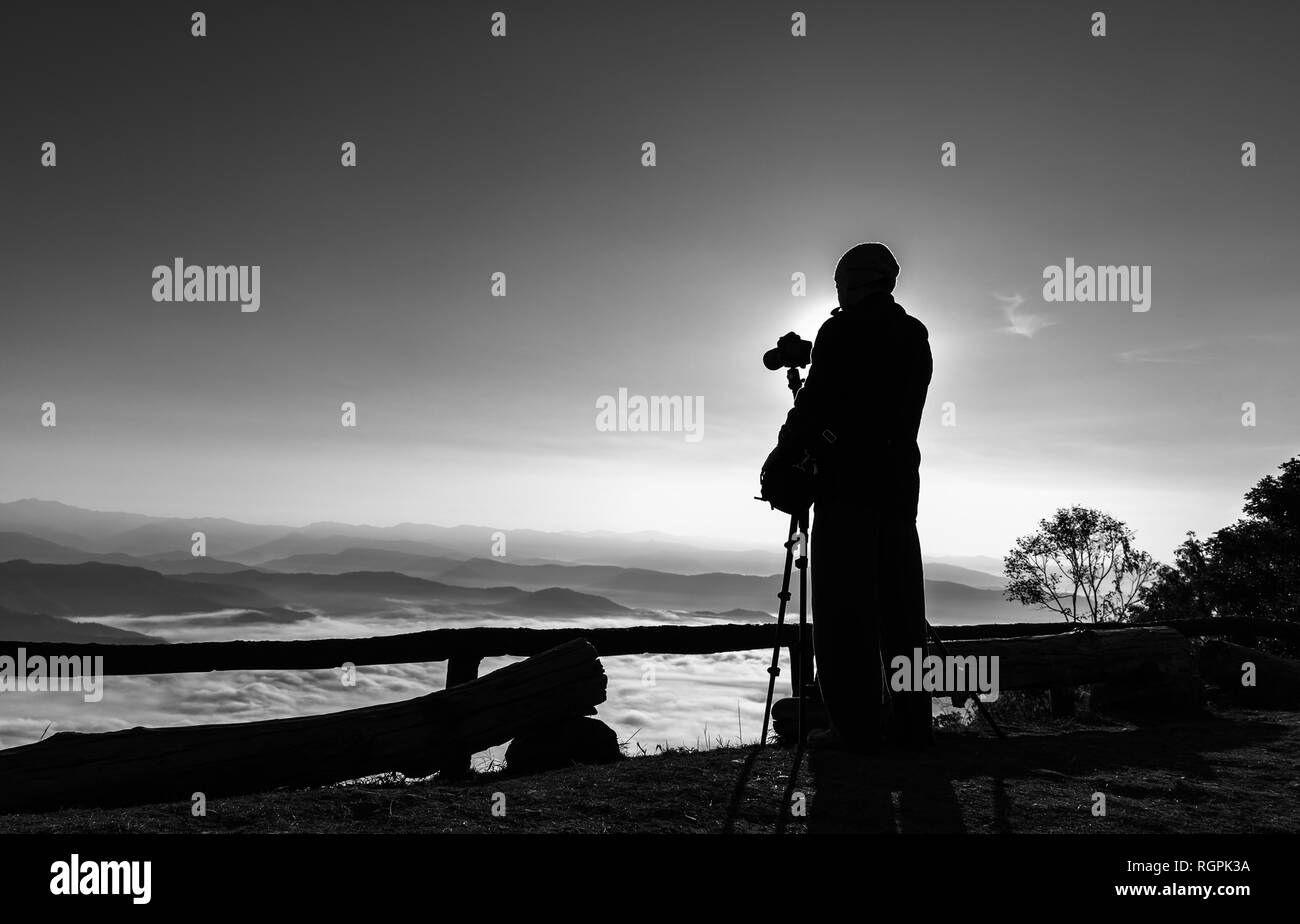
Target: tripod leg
column 805, row 637
column 774, row 670
column 800, row 524
column 980, row 707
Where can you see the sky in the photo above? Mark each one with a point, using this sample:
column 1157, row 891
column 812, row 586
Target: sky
column 523, row 155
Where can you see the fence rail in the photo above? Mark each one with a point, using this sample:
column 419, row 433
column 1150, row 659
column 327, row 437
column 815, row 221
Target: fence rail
column 471, row 645
column 455, row 645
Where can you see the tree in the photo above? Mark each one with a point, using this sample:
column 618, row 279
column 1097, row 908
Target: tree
column 1251, row 568
column 1081, row 563
column 1183, row 590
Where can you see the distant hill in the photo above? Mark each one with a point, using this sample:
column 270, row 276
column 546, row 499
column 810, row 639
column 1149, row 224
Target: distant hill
column 481, row 572
column 363, row 559
column 559, row 601
column 985, row 564
column 948, row 601
column 185, row 563
column 736, row 615
column 138, row 535
column 298, row 545
column 130, row 533
column 365, row 589
column 29, row 627
column 45, row 552
column 94, row 589
column 65, row 524
column 643, row 570
column 942, row 571
column 14, row 545
column 224, row 538
column 166, row 539
column 310, row 589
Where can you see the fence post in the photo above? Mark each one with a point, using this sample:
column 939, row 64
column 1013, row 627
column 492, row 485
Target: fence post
column 460, row 669
column 802, row 670
column 808, row 668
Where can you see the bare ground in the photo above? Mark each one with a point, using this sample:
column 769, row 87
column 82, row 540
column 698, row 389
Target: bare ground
column 1229, row 770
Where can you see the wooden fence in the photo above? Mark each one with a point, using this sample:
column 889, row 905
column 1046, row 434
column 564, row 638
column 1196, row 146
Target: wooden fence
column 136, row 764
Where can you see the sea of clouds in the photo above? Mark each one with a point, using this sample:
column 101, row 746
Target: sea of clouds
column 653, row 701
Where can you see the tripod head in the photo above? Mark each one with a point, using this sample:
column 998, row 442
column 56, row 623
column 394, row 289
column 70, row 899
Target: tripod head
column 792, row 353
column 794, row 380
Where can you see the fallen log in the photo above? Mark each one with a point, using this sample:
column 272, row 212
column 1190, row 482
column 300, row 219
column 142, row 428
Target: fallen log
column 415, row 737
column 1250, row 676
column 1087, row 656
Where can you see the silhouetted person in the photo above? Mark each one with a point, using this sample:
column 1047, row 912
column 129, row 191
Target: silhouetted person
column 858, row 415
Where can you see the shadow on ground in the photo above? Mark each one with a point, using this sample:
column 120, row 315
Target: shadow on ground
column 1213, row 773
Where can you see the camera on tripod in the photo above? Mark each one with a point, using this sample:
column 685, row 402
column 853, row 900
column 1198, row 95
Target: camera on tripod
column 791, row 351
column 786, row 477
column 786, row 481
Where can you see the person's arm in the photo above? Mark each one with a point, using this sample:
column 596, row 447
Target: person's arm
column 813, row 406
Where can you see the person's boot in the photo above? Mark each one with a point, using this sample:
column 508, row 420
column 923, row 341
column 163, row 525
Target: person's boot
column 910, row 735
column 909, row 725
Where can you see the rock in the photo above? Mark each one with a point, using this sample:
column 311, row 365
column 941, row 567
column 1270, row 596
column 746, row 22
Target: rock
column 580, row 740
column 785, row 718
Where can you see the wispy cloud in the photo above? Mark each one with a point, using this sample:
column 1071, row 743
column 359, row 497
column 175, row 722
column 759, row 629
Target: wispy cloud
column 1022, row 323
column 1183, row 353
